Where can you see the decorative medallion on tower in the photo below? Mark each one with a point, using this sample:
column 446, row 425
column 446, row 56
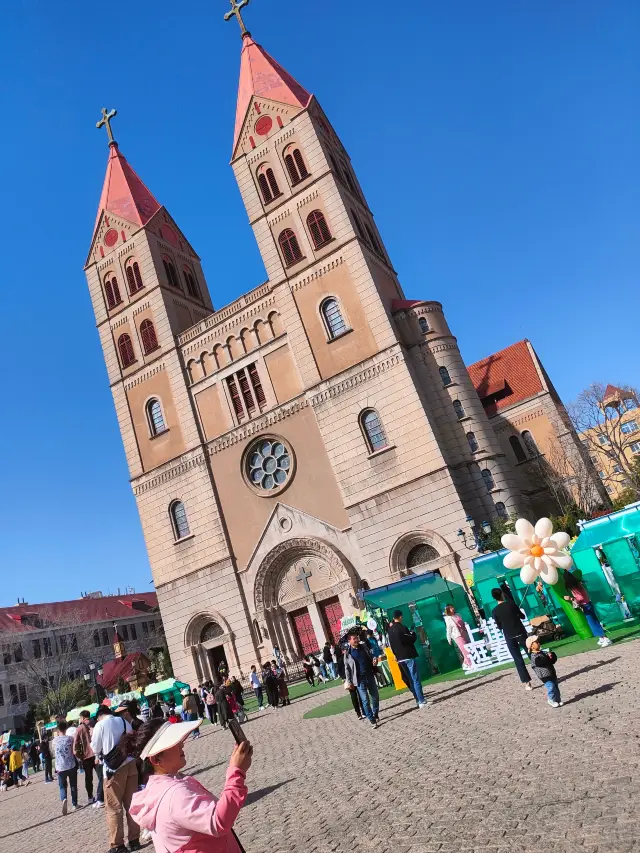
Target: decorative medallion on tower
column 110, row 238
column 268, row 465
column 263, row 125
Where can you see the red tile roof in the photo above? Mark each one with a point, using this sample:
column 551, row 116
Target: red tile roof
column 123, row 193
column 506, row 377
column 114, row 670
column 262, row 76
column 80, row 611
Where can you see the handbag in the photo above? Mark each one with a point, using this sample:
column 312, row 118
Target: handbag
column 114, row 759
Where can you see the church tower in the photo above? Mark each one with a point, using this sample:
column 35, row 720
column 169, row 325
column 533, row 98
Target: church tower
column 317, row 435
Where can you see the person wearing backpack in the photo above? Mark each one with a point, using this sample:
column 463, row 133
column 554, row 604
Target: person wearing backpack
column 120, row 780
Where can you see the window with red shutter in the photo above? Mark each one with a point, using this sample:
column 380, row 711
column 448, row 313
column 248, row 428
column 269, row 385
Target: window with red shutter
column 318, row 228
column 125, row 348
column 134, row 279
column 172, row 275
column 257, row 386
column 148, row 335
column 112, row 292
column 247, row 396
column 294, row 177
column 192, row 285
column 290, row 247
column 235, row 398
column 267, row 195
column 302, row 169
column 137, row 275
column 273, row 184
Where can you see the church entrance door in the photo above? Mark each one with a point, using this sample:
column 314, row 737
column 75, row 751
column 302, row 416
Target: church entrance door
column 216, row 657
column 332, row 614
column 303, row 627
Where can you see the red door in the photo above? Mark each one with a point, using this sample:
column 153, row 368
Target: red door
column 332, row 614
column 303, row 627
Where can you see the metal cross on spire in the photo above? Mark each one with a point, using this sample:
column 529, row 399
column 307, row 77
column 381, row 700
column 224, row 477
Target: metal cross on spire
column 105, row 121
column 236, row 11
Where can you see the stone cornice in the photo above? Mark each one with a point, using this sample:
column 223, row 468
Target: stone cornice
column 170, row 471
column 143, row 376
column 355, row 379
column 224, row 313
column 228, row 326
column 258, row 425
column 317, row 273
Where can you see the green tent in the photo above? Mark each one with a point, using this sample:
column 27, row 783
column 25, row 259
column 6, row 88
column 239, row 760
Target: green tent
column 170, row 687
column 422, row 599
column 75, row 714
column 617, row 537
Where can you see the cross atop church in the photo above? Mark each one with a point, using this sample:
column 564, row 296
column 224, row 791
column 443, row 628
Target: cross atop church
column 236, row 11
column 303, row 576
column 105, row 121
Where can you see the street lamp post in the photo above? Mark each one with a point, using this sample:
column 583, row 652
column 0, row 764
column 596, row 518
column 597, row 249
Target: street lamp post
column 479, row 535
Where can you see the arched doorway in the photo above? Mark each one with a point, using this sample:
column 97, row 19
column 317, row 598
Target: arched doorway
column 211, row 643
column 303, row 587
column 421, row 551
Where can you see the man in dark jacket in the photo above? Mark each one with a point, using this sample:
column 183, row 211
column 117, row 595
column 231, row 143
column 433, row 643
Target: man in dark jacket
column 508, row 617
column 403, row 645
column 359, row 675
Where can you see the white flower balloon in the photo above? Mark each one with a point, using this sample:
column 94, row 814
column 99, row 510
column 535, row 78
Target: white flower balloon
column 536, row 551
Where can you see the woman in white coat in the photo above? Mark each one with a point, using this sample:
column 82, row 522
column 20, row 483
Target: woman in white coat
column 456, row 631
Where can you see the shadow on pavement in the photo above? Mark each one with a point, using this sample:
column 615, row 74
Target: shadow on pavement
column 587, row 669
column 482, row 682
column 35, row 825
column 388, row 719
column 604, row 688
column 254, row 796
column 195, row 769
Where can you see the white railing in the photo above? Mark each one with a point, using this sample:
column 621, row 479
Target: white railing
column 487, row 647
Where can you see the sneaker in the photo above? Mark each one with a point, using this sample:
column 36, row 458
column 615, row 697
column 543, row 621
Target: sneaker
column 528, row 686
column 422, row 704
column 75, row 808
column 374, row 724
column 134, row 845
column 64, row 807
column 121, row 849
column 553, row 704
column 91, row 801
column 99, row 804
column 606, row 642
column 560, row 704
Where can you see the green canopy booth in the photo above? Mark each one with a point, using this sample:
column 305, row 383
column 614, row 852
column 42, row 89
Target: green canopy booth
column 422, row 599
column 168, row 689
column 607, row 552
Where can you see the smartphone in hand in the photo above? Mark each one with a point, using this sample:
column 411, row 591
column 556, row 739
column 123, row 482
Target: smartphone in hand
column 236, row 730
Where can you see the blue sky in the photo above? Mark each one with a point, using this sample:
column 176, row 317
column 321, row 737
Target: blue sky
column 496, row 142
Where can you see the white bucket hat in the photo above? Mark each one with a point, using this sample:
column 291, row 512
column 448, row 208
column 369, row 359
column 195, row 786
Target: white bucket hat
column 168, row 735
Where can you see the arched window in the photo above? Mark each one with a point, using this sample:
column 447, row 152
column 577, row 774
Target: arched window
column 421, row 554
column 424, row 325
column 530, row 443
column 359, row 227
column 375, row 243
column 444, row 375
column 268, row 184
column 125, row 348
column 289, row 247
column 489, row 482
column 134, row 279
column 518, row 452
column 458, row 408
column 257, row 631
column 192, row 284
column 295, row 166
column 155, row 417
column 148, row 335
column 473, row 442
column 171, row 274
column 333, row 319
column 318, row 228
column 211, row 631
column 179, row 520
column 373, row 430
column 501, row 510
column 112, row 291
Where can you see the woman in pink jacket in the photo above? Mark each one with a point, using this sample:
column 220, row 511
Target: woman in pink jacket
column 182, row 816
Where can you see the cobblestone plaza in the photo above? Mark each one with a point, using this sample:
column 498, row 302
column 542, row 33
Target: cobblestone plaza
column 487, row 767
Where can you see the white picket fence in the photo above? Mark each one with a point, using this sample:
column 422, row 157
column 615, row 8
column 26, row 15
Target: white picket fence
column 487, row 647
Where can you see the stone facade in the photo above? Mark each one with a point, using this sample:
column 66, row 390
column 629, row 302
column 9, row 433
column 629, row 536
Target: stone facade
column 342, row 411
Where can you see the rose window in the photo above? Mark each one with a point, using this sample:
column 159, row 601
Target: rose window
column 269, row 464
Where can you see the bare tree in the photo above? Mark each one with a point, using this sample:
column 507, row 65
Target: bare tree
column 570, row 478
column 605, row 418
column 45, row 660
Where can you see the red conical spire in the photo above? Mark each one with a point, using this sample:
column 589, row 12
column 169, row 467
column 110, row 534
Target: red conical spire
column 123, row 193
column 260, row 75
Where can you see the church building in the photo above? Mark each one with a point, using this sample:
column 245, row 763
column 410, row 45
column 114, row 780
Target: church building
column 320, row 434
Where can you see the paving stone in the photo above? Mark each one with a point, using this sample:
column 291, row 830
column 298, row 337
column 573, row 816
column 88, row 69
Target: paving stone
column 491, row 769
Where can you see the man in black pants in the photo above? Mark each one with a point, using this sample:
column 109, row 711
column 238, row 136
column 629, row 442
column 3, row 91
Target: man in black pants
column 508, row 618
